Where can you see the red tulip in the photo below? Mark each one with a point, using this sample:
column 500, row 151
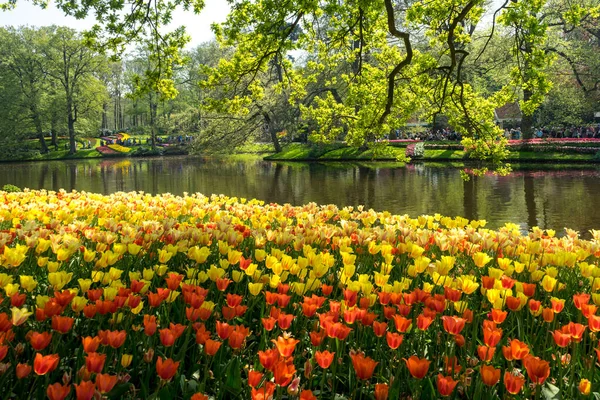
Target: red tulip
column 58, row 391
column 85, row 390
column 324, row 358
column 45, row 364
column 513, row 383
column 39, row 341
column 418, row 367
column 167, row 368
column 445, row 385
column 105, row 382
column 363, row 366
column 490, row 375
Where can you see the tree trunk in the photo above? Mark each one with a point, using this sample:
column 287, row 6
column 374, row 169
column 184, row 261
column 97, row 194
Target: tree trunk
column 527, row 120
column 53, row 121
column 153, row 107
column 104, row 115
column 71, row 125
column 272, row 131
column 38, row 128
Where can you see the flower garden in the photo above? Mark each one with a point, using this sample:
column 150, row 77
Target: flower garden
column 140, row 296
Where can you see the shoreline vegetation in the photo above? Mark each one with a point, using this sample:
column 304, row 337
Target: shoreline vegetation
column 559, row 150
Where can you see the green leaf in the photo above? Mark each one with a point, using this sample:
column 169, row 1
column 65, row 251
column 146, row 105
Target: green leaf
column 233, row 382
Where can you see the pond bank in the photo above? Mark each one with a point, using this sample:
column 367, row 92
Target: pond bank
column 526, row 152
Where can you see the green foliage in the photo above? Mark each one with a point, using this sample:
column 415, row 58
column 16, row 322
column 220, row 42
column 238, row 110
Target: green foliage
column 10, row 188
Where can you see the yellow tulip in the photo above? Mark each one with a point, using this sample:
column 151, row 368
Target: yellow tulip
column 78, row 303
column 19, row 316
column 481, row 259
column 27, row 282
column 255, row 288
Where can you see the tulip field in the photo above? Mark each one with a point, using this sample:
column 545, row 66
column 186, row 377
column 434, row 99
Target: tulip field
column 135, row 296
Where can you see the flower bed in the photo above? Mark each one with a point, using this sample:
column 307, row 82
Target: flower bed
column 106, row 150
column 140, row 296
column 118, row 148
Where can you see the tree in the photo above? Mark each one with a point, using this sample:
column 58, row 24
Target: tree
column 22, row 55
column 74, row 66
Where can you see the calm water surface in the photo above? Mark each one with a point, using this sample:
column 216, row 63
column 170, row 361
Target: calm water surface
column 555, row 199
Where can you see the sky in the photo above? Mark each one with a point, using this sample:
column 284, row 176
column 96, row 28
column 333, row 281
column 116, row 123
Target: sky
column 197, row 26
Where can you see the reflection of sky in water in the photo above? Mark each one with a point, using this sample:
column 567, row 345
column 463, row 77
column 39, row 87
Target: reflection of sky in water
column 552, row 198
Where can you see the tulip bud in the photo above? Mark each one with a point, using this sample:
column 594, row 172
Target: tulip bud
column 307, row 369
column 84, row 374
column 19, row 349
column 4, row 367
column 149, row 356
column 66, row 378
column 293, row 387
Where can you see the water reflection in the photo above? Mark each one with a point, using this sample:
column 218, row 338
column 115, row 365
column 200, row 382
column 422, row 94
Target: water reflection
column 535, row 197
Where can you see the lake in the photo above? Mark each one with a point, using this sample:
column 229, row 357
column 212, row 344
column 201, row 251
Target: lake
column 544, row 196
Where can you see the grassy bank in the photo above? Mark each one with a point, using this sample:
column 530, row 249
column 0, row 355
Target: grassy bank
column 339, row 152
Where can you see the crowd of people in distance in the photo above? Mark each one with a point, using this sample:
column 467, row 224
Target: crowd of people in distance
column 581, row 132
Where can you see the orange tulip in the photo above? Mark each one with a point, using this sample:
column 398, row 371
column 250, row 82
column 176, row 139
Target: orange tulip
column 236, row 339
column 317, row 337
column 199, row 396
column 268, row 358
column 211, row 347
column 394, row 340
column 402, row 324
column 285, row 345
column 490, row 375
column 283, row 372
column 379, row 328
column 264, row 393
column 85, row 390
column 498, row 316
column 557, row 305
column 537, row 369
column 575, row 330
column 417, row 367
column 381, row 391
column 116, row 339
column 324, row 358
column 548, row 314
column 22, row 370
column 90, row 344
column 45, row 364
column 202, row 335
column 58, row 391
column 513, row 303
column 486, row 353
column 94, row 362
column 150, row 325
column 167, row 368
column 451, row 365
column 167, row 337
column 224, row 330
column 307, row 395
column 513, row 383
column 254, row 378
column 105, row 382
column 423, row 322
column 39, row 341
column 491, row 337
column 581, row 299
column 585, row 387
column 445, row 385
column 516, row 350
column 594, row 323
column 561, row 339
column 62, row 324
column 453, row 325
column 363, row 366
